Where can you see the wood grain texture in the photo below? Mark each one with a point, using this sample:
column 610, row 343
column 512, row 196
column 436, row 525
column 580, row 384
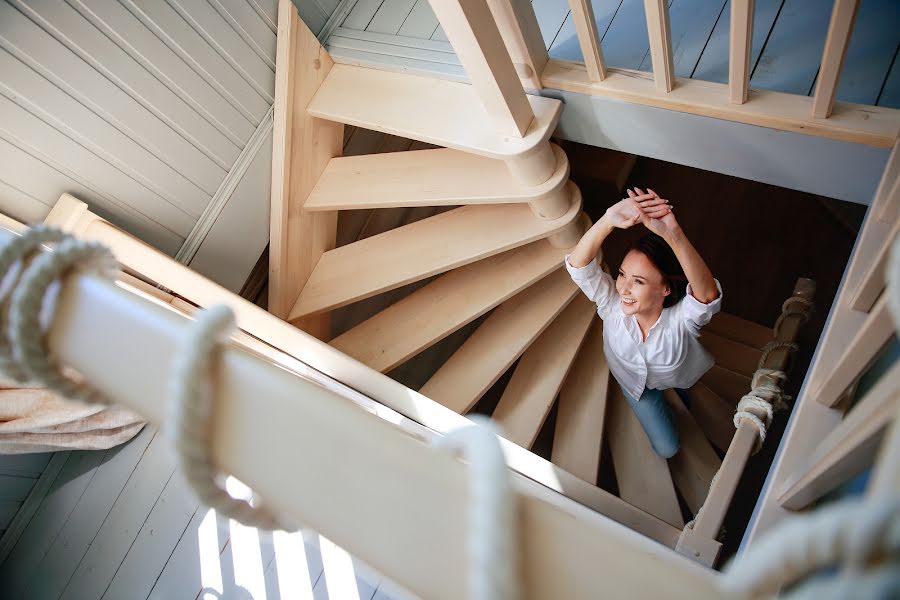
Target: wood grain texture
column 540, row 374
column 714, row 415
column 696, row 463
column 730, row 354
column 660, row 35
column 740, row 330
column 840, row 27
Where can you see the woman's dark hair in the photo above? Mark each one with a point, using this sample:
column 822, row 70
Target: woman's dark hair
column 660, row 254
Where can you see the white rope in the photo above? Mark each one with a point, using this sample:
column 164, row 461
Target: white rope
column 760, row 404
column 789, row 308
column 493, row 562
column 34, row 294
column 769, row 348
column 858, row 531
column 191, row 405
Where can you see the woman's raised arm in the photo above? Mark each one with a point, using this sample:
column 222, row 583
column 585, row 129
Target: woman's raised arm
column 622, row 214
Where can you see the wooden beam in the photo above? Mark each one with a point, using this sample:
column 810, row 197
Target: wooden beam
column 430, row 314
column 538, row 377
column 713, row 414
column 739, row 50
column 419, row 250
column 302, row 147
column 581, row 413
column 696, row 463
column 871, row 125
column 839, row 29
column 498, row 342
column 259, row 401
column 519, row 28
column 586, row 29
column 849, row 448
column 858, row 353
column 872, row 282
column 730, row 354
column 660, row 44
column 473, row 33
column 887, row 197
column 642, row 475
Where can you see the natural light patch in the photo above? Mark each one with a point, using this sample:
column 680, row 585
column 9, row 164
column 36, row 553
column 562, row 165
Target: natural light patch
column 247, row 557
column 339, row 574
column 293, row 571
column 237, row 489
column 210, row 571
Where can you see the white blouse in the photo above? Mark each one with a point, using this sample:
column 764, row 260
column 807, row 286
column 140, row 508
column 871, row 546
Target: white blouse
column 671, row 356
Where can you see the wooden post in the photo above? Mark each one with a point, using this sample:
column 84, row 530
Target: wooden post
column 842, row 17
column 302, row 147
column 474, row 35
column 586, row 28
column 739, row 50
column 519, row 28
column 660, row 44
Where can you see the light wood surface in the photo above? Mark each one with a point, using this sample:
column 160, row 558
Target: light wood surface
column 730, row 354
column 849, row 449
column 700, row 549
column 740, row 330
column 406, row 106
column 582, row 13
column 538, row 377
column 521, row 33
column 870, row 125
column 419, row 250
column 872, row 281
column 439, row 177
column 498, row 342
column 660, row 35
column 714, row 415
column 302, row 147
column 887, row 196
column 331, row 363
column 728, row 384
column 430, row 314
column 696, row 463
column 642, row 475
column 857, row 354
column 843, row 16
column 739, row 50
column 260, row 401
column 578, row 439
column 472, row 31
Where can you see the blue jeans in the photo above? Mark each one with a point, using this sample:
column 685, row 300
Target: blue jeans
column 655, row 416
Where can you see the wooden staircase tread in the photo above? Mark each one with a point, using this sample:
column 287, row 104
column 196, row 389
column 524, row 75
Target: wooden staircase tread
column 433, row 312
column 740, row 330
column 578, row 438
column 730, row 354
column 498, row 342
column 730, row 385
column 696, row 462
column 538, row 377
column 642, row 475
column 713, row 414
column 436, row 111
column 438, row 177
column 422, row 249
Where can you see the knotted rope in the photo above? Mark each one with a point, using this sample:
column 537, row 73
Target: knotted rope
column 492, row 520
column 795, row 305
column 760, row 404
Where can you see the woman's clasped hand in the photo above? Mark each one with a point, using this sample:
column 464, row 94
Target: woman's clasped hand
column 643, row 207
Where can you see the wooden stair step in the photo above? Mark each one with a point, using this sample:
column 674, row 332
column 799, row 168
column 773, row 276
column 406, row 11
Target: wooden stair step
column 538, row 377
column 419, row 250
column 436, row 111
column 732, row 355
column 642, row 475
column 430, row 314
column 696, row 463
column 713, row 414
column 498, row 342
column 439, row 177
column 740, row 330
column 578, row 439
column 728, row 384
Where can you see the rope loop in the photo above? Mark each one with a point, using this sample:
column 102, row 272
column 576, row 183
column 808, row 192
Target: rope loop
column 760, row 404
column 771, row 347
column 31, row 308
column 492, row 519
column 191, row 406
column 795, row 305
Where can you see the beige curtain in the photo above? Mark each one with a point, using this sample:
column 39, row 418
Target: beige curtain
column 35, row 420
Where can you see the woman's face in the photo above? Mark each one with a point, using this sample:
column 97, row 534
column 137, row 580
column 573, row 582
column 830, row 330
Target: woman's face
column 640, row 285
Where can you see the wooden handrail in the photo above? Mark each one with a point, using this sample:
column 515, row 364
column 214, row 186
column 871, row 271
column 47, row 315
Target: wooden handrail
column 842, row 17
column 660, row 35
column 519, row 28
column 739, row 50
column 586, row 29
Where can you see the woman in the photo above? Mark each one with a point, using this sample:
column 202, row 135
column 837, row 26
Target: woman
column 651, row 322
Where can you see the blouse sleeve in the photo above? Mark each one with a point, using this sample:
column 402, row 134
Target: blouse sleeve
column 695, row 314
column 596, row 285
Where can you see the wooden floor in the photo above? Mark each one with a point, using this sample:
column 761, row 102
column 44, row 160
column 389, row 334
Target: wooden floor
column 788, row 39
